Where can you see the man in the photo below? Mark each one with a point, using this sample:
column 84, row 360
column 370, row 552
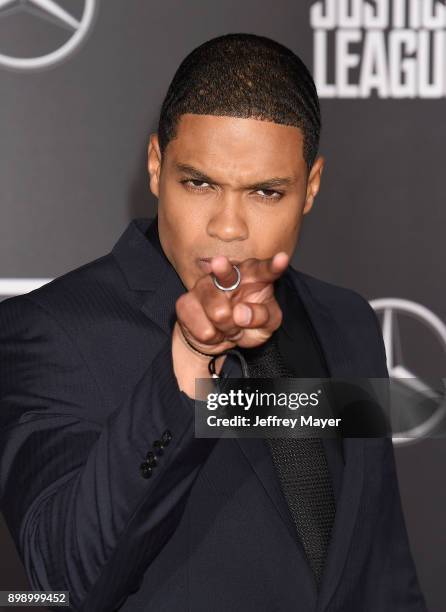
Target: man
column 106, row 491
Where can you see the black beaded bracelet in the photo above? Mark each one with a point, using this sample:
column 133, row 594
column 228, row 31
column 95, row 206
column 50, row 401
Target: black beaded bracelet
column 213, row 358
column 211, row 366
column 195, row 350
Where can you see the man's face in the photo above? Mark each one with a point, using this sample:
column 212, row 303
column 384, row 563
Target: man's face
column 229, row 186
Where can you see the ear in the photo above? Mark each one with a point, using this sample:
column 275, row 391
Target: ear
column 314, row 183
column 154, row 164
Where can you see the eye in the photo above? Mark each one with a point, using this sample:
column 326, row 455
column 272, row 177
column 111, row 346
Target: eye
column 277, row 196
column 191, row 184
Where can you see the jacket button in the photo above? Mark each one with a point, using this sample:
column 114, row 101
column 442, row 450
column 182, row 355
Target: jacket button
column 145, row 469
column 151, row 459
column 166, row 437
column 159, row 447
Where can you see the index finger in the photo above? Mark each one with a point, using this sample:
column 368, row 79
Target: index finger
column 223, row 270
column 268, row 270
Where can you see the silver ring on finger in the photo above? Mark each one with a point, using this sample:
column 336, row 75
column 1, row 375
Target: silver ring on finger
column 231, row 287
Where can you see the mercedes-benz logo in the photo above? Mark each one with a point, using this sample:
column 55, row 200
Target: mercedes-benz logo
column 77, row 27
column 419, row 408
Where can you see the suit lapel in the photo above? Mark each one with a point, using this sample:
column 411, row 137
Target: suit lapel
column 150, row 273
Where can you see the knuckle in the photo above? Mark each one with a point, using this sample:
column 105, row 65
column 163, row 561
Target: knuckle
column 185, row 304
column 206, row 334
column 220, row 313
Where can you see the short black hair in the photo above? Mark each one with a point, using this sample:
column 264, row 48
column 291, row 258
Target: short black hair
column 244, row 75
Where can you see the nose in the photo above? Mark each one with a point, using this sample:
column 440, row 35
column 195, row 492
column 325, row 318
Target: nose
column 227, row 223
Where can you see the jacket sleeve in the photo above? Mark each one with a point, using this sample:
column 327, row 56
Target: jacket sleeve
column 82, row 516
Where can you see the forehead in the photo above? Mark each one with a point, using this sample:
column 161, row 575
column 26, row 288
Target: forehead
column 241, row 147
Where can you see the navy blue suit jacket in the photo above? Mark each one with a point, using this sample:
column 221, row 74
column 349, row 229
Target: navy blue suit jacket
column 86, row 387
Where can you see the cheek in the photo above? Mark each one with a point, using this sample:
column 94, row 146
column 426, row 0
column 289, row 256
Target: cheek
column 280, row 237
column 182, row 209
column 277, row 231
column 182, row 229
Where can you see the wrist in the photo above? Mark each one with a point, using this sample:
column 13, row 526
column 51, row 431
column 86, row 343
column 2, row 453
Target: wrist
column 202, row 355
column 189, row 365
column 192, row 359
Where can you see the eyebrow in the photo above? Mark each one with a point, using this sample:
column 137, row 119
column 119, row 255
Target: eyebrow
column 270, row 183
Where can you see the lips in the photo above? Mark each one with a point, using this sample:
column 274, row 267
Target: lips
column 208, row 259
column 204, row 263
